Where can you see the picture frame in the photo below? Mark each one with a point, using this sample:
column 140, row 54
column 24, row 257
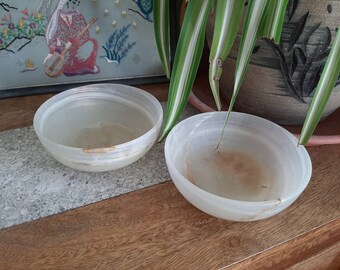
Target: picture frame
column 49, row 46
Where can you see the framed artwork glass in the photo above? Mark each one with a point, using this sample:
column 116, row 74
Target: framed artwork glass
column 48, row 45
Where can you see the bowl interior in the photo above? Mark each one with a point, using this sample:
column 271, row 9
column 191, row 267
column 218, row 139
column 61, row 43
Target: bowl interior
column 95, row 122
column 98, row 116
column 255, row 161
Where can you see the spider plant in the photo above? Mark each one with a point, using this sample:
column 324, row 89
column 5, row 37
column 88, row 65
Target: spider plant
column 263, row 19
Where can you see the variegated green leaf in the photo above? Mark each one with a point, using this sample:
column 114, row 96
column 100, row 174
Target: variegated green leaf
column 161, row 10
column 324, row 89
column 248, row 39
column 227, row 19
column 272, row 20
column 267, row 19
column 187, row 58
column 278, row 19
column 250, row 32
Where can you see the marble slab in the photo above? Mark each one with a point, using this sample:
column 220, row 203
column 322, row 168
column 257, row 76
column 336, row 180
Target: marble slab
column 34, row 185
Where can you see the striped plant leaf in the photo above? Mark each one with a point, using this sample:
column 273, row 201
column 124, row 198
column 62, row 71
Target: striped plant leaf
column 267, row 19
column 323, row 91
column 278, row 19
column 161, row 10
column 272, row 20
column 227, row 20
column 250, row 31
column 187, row 58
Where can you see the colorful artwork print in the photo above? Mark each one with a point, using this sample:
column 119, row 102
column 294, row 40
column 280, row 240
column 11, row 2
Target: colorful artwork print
column 30, row 25
column 145, row 9
column 51, row 42
column 115, row 47
column 66, row 34
column 6, row 6
column 28, row 65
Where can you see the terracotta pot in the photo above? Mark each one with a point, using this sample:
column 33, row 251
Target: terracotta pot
column 281, row 80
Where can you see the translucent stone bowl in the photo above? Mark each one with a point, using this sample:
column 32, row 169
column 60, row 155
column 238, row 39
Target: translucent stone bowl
column 99, row 127
column 256, row 171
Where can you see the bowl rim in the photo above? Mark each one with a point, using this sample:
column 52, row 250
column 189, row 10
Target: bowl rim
column 100, row 150
column 301, row 151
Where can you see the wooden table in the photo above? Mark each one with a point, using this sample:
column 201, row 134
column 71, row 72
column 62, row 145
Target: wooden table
column 156, row 228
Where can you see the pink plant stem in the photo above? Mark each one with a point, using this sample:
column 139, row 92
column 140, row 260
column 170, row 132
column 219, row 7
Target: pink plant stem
column 316, row 140
column 198, row 104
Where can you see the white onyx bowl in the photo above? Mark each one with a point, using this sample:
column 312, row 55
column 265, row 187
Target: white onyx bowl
column 99, row 127
column 256, row 172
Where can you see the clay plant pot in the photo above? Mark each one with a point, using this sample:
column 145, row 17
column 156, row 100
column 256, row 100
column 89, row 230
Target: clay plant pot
column 281, row 79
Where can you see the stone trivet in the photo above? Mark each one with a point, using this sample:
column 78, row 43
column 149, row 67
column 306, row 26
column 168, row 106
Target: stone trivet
column 34, row 185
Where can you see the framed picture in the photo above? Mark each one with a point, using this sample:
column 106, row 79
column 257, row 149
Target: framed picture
column 48, row 45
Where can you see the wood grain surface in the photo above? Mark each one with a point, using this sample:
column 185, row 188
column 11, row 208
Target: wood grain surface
column 328, row 259
column 156, row 228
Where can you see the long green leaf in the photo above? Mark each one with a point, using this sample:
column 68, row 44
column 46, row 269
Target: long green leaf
column 267, row 19
column 323, row 91
column 161, row 10
column 248, row 39
column 272, row 20
column 278, row 19
column 187, row 58
column 227, row 20
column 250, row 32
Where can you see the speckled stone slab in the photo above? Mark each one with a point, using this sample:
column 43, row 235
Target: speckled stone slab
column 34, row 185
